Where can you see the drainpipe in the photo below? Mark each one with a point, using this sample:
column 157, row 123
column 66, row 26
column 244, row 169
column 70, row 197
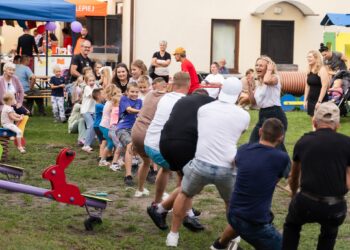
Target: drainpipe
column 132, row 13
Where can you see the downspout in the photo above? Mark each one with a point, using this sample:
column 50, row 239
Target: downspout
column 132, row 12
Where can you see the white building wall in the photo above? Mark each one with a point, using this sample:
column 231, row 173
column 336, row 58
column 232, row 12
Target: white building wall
column 187, row 23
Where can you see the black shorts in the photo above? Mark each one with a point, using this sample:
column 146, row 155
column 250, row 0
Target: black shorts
column 177, row 152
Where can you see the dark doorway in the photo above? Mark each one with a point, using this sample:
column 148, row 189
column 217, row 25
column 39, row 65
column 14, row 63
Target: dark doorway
column 277, row 40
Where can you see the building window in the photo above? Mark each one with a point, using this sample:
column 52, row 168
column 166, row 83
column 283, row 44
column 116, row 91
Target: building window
column 106, row 33
column 225, row 42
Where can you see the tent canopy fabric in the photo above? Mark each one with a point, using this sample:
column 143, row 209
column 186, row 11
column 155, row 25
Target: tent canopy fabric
column 336, row 19
column 38, row 10
column 90, row 8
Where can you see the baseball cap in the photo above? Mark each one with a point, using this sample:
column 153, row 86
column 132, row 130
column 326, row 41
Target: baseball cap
column 179, row 51
column 327, row 112
column 230, row 90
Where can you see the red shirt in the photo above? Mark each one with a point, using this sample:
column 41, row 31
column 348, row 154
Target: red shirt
column 187, row 66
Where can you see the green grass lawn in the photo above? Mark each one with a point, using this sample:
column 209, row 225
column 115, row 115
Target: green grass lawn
column 28, row 222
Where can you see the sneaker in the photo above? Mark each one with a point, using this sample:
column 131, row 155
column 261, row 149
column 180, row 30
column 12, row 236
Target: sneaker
column 157, row 218
column 196, row 212
column 103, row 163
column 139, row 194
column 172, row 239
column 115, row 167
column 217, row 245
column 21, row 149
column 87, row 149
column 151, row 176
column 128, row 181
column 192, row 224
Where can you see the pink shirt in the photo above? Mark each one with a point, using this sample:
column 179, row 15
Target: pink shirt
column 5, row 115
column 114, row 116
column 106, row 115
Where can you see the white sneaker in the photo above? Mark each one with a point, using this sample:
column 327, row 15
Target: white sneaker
column 115, row 167
column 172, row 239
column 87, row 149
column 139, row 194
column 103, row 163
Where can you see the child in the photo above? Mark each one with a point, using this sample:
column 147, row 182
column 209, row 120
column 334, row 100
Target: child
column 248, row 84
column 57, row 95
column 336, row 91
column 87, row 110
column 116, row 162
column 144, row 86
column 129, row 107
column 8, row 116
column 97, row 96
column 110, row 91
column 106, row 76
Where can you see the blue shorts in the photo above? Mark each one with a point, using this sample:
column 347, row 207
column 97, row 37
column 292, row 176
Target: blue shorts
column 99, row 134
column 156, row 157
column 110, row 144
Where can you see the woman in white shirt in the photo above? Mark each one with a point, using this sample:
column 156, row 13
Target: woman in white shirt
column 267, row 96
column 214, row 78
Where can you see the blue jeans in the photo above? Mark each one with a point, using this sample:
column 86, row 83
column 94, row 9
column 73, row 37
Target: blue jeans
column 90, row 133
column 260, row 236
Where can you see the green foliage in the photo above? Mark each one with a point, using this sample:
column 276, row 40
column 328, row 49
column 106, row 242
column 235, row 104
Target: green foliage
column 28, row 222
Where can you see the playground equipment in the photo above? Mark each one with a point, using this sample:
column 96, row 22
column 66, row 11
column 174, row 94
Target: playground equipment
column 61, row 191
column 293, row 85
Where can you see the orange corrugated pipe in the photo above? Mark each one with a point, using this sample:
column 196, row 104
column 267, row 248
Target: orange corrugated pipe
column 293, row 82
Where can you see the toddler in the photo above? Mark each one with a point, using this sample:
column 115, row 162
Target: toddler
column 144, row 86
column 97, row 96
column 57, row 95
column 8, row 117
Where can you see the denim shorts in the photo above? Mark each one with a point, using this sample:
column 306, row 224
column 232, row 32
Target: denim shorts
column 156, row 157
column 198, row 174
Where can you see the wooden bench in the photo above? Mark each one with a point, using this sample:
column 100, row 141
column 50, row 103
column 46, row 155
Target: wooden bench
column 42, row 93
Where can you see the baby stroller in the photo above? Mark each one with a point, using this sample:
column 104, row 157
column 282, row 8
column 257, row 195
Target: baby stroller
column 342, row 103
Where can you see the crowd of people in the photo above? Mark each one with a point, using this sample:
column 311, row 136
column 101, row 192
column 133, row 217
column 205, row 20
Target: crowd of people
column 178, row 124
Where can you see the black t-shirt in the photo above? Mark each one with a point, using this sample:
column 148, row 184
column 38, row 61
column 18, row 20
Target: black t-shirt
column 81, row 62
column 324, row 156
column 27, row 43
column 57, row 81
column 166, row 56
column 182, row 123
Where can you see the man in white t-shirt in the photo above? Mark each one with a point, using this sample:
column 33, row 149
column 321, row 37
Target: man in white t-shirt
column 220, row 125
column 181, row 84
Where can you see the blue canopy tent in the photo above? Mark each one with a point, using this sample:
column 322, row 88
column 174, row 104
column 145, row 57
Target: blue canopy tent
column 37, row 10
column 336, row 19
